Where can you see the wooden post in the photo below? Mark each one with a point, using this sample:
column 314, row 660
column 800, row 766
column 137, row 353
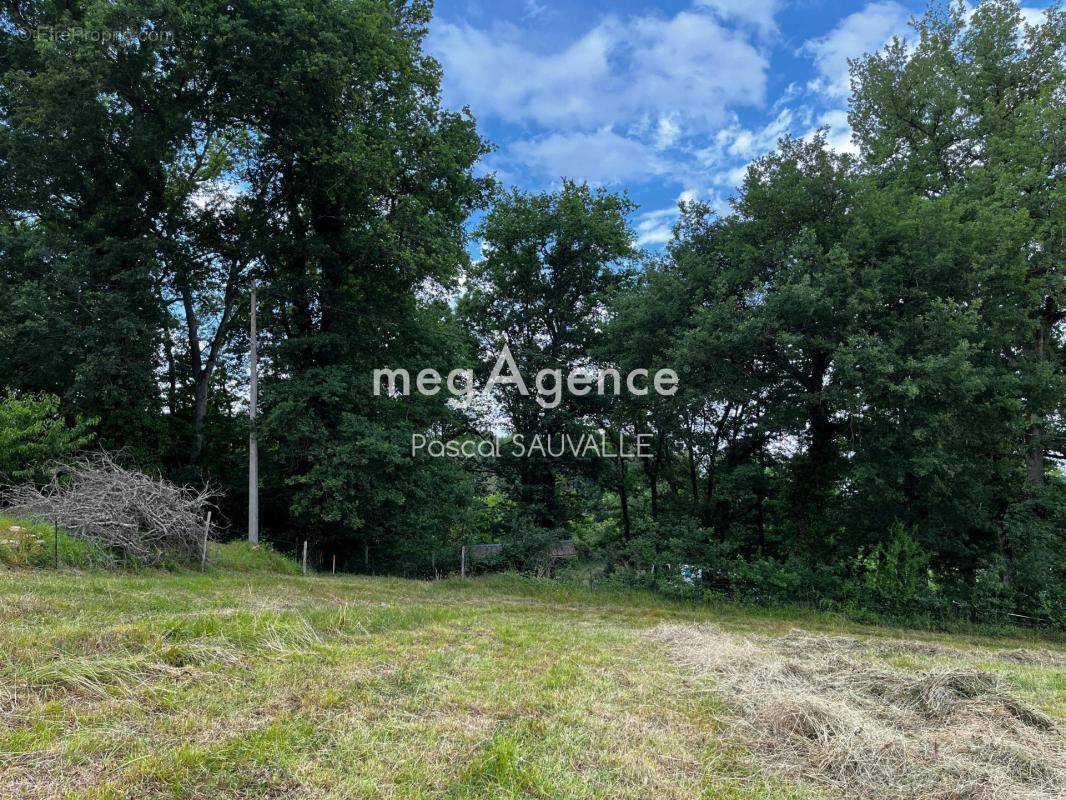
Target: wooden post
column 203, row 551
column 253, row 449
column 462, row 563
column 334, row 563
column 305, row 557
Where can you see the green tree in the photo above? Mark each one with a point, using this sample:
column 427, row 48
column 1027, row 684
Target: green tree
column 973, row 114
column 82, row 142
column 551, row 264
column 359, row 187
column 154, row 168
column 969, row 121
column 122, row 238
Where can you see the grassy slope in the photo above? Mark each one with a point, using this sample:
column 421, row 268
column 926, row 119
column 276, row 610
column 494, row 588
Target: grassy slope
column 230, row 685
column 33, row 544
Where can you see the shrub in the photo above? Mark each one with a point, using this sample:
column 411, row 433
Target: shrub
column 895, row 575
column 33, row 435
column 528, row 545
column 764, row 580
column 991, row 596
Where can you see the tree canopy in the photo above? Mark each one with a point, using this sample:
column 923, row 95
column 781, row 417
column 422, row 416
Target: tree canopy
column 870, row 347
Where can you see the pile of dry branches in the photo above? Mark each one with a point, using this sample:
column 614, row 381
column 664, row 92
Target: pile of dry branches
column 141, row 519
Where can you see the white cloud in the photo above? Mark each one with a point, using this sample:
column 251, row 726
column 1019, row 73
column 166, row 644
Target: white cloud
column 1033, row 16
column 757, row 13
column 656, row 227
column 688, row 68
column 732, row 176
column 838, row 137
column 624, row 100
column 737, row 142
column 654, row 96
column 495, row 75
column 667, row 133
column 601, row 156
column 864, row 31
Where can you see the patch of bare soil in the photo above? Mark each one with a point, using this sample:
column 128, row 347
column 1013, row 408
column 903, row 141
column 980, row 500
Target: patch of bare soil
column 812, row 709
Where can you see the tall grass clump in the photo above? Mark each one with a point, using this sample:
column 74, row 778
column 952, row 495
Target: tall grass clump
column 240, row 556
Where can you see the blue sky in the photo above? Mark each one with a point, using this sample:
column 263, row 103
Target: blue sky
column 665, row 99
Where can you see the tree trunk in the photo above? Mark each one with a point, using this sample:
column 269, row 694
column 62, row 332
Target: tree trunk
column 692, row 474
column 203, row 369
column 651, row 472
column 760, row 506
column 811, row 483
column 707, row 511
column 1034, row 434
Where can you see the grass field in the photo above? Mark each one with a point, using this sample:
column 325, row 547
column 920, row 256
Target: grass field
column 244, row 685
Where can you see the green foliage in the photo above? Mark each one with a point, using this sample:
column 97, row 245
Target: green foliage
column 553, row 261
column 34, row 434
column 872, row 350
column 383, row 181
column 149, row 180
column 526, row 545
column 764, row 580
column 895, row 574
column 990, row 596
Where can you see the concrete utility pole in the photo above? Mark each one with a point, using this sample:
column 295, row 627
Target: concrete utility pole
column 253, row 450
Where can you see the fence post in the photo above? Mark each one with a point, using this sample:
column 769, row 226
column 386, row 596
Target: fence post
column 462, row 563
column 305, row 557
column 203, row 550
column 334, row 563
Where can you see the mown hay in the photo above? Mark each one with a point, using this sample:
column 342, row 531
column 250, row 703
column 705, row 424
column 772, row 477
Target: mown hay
column 816, row 708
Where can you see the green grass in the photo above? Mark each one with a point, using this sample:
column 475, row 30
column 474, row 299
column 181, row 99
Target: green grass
column 231, row 684
column 239, row 556
column 24, row 543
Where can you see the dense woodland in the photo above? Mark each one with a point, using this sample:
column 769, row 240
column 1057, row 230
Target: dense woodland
column 870, row 348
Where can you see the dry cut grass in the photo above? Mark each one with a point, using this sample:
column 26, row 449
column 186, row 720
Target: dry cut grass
column 833, row 711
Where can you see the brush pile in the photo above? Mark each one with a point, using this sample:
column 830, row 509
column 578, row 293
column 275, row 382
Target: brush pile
column 142, row 520
column 830, row 711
